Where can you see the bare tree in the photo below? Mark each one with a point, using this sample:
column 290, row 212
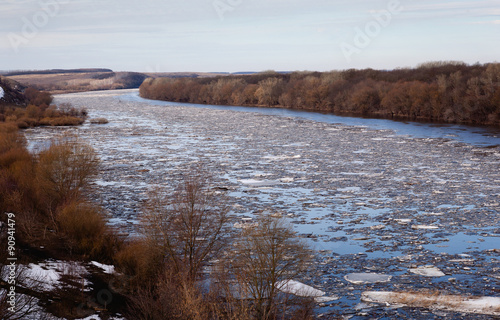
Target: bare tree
column 188, row 224
column 269, row 91
column 267, row 256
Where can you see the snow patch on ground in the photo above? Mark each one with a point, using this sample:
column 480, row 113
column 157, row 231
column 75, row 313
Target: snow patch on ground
column 46, row 276
column 1, row 93
column 480, row 305
column 107, row 268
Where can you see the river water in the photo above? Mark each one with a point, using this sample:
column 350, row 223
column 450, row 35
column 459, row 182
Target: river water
column 370, row 196
column 479, row 136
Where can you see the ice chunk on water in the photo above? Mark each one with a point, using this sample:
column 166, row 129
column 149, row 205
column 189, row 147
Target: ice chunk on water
column 480, row 305
column 303, row 290
column 361, row 278
column 427, row 271
column 258, row 183
column 424, row 227
column 299, row 289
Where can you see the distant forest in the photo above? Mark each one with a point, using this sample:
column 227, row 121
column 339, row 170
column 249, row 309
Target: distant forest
column 452, row 92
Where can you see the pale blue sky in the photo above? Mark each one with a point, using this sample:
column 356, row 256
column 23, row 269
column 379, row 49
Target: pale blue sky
column 245, row 35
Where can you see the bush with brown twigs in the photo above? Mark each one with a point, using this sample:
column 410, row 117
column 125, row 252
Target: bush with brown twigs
column 84, row 227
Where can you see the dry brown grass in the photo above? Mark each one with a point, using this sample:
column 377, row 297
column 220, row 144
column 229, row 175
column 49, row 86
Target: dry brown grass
column 61, row 121
column 34, row 116
column 53, row 82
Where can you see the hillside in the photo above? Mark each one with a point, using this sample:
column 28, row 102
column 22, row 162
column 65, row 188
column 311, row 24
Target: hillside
column 78, row 80
column 11, row 92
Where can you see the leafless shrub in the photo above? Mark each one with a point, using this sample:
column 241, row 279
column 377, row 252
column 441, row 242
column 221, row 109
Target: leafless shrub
column 265, row 257
column 64, row 170
column 85, row 228
column 29, row 226
column 188, row 225
column 140, row 262
column 170, row 298
column 62, row 121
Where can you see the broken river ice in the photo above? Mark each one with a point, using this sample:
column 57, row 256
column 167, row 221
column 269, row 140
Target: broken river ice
column 368, row 199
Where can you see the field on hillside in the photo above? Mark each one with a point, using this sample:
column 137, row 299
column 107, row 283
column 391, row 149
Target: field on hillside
column 68, row 81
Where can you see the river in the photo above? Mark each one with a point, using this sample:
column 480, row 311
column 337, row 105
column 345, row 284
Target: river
column 370, row 196
column 479, row 136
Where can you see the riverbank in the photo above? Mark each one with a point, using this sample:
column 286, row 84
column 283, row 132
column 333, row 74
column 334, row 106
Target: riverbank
column 368, row 200
column 436, row 93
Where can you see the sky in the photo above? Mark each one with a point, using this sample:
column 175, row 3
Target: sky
column 245, row 35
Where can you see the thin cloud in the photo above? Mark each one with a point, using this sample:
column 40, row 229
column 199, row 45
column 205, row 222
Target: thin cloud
column 496, row 22
column 452, row 5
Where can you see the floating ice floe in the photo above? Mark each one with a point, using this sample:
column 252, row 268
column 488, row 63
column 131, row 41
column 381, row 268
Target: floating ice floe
column 349, row 189
column 362, row 278
column 424, row 227
column 102, row 183
column 403, row 221
column 245, row 224
column 428, row 271
column 479, row 305
column 258, row 183
column 433, row 213
column 282, row 157
column 303, row 290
